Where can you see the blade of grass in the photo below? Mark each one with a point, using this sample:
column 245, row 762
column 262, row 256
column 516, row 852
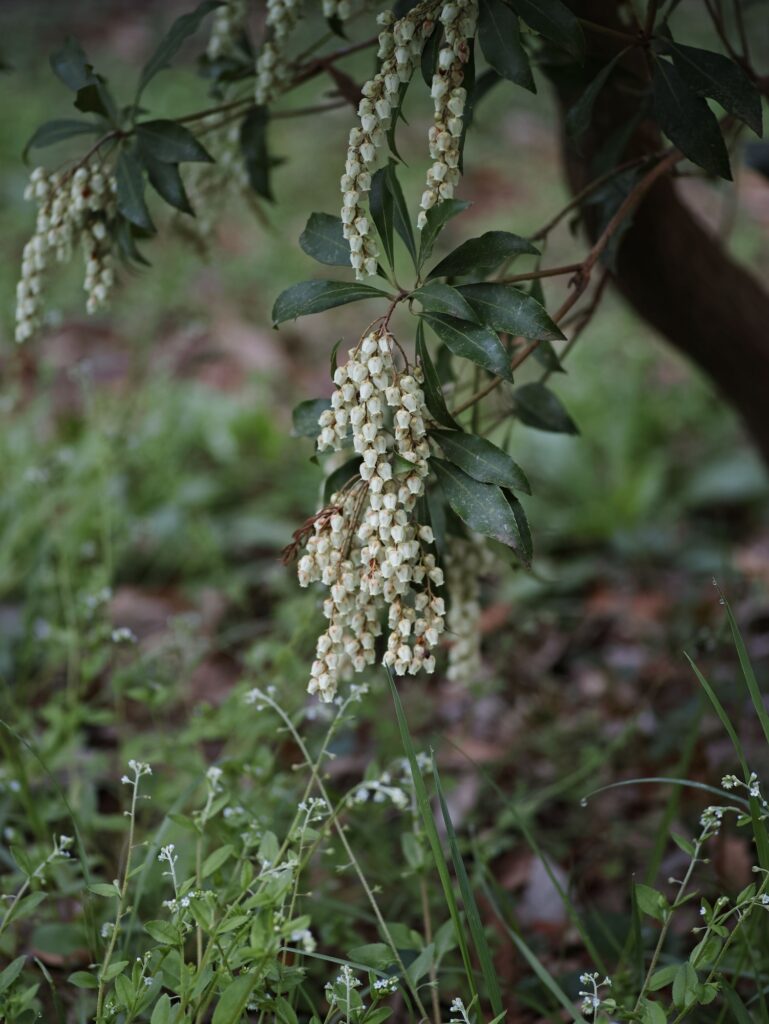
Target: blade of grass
column 528, row 835
column 529, row 956
column 471, row 907
column 747, row 671
column 759, row 828
column 428, row 822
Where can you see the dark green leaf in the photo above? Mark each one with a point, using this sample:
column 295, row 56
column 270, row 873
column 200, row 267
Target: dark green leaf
column 381, row 207
column 169, row 45
column 336, row 480
column 130, row 191
column 324, row 240
column 430, row 53
column 500, row 39
column 434, row 399
column 688, row 121
column 164, row 932
column 71, row 66
column 126, row 241
column 470, row 341
column 553, row 20
column 527, row 548
column 482, row 255
column 546, row 356
column 316, row 296
column 401, row 219
column 171, row 143
column 481, row 459
column 714, row 75
column 96, row 99
column 483, row 507
column 578, row 118
column 437, row 297
column 437, row 218
column 537, row 406
column 51, row 132
column 508, row 309
column 306, row 415
column 167, row 182
column 484, row 83
column 256, row 154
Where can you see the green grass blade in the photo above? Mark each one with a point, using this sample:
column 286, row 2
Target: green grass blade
column 747, row 671
column 471, row 907
column 530, row 957
column 759, row 827
column 425, row 811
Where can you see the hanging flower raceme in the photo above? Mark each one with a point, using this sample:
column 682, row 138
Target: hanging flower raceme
column 271, row 64
column 467, row 559
column 400, row 46
column 72, row 208
column 227, row 25
column 365, row 545
column 458, row 18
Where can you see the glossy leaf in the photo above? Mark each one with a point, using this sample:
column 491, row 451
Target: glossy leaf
column 483, row 507
column 481, row 459
column 130, row 191
column 306, row 415
column 167, row 182
column 519, row 514
column 170, row 44
column 470, row 341
column 500, row 39
column 688, row 121
column 58, row 130
column 434, row 398
column 381, row 208
column 323, row 239
column 483, row 254
column 171, row 143
column 579, row 116
column 437, row 218
column 401, row 217
column 506, row 308
column 437, row 297
column 553, row 20
column 537, row 406
column 316, row 296
column 714, row 75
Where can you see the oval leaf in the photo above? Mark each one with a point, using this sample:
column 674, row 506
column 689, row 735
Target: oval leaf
column 170, row 142
column 483, row 507
column 437, row 297
column 481, row 459
column 500, row 39
column 478, row 344
column 505, row 308
column 317, row 296
column 324, row 240
column 483, row 254
column 537, row 406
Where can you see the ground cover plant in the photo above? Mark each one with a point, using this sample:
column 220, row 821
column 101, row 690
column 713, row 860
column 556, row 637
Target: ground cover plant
column 478, row 813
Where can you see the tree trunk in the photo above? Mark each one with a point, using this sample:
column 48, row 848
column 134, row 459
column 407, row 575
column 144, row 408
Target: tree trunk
column 669, row 267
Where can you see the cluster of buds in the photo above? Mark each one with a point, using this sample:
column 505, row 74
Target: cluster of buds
column 339, row 9
column 227, row 25
column 271, row 64
column 466, row 561
column 400, row 46
column 365, row 545
column 458, row 18
column 208, row 185
column 71, row 207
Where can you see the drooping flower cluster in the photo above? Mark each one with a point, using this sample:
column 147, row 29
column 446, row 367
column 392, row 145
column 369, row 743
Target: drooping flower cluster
column 72, row 208
column 227, row 25
column 400, row 46
column 271, row 65
column 458, row 18
column 365, row 545
column 339, row 9
column 466, row 561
